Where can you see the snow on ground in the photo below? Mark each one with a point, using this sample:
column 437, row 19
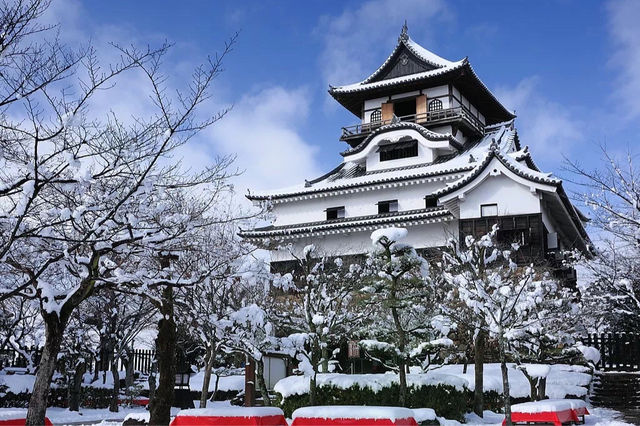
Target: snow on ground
column 62, row 416
column 563, row 380
column 299, row 385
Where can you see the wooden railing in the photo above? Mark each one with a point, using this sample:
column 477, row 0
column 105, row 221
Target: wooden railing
column 423, row 118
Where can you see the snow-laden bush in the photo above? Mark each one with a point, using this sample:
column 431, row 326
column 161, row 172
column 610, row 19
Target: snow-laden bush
column 446, row 400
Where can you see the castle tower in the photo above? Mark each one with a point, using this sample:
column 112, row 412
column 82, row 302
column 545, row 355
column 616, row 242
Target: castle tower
column 435, row 152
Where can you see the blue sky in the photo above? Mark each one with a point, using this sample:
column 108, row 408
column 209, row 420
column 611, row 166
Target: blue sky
column 570, row 69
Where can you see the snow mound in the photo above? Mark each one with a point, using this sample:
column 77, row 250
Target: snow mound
column 544, row 406
column 226, row 383
column 392, row 234
column 140, row 417
column 562, row 380
column 352, row 412
column 299, row 385
column 423, row 414
column 590, row 353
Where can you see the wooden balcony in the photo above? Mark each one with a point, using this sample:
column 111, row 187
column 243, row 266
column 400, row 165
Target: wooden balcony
column 460, row 115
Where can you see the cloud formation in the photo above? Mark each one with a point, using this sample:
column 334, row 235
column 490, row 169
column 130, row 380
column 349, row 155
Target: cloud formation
column 355, row 40
column 625, row 60
column 263, row 129
column 546, row 126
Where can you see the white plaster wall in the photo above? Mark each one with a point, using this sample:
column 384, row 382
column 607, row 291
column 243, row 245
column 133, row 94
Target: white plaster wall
column 425, row 155
column 357, row 204
column 431, row 92
column 511, row 197
column 420, row 236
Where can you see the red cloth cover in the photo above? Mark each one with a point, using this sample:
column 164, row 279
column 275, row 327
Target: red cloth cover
column 555, row 417
column 303, row 421
column 229, row 421
column 21, row 422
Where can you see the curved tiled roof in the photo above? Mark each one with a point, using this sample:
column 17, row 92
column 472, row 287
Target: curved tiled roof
column 428, row 134
column 419, row 215
column 494, row 152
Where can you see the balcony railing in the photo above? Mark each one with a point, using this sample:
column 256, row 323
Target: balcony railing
column 430, row 117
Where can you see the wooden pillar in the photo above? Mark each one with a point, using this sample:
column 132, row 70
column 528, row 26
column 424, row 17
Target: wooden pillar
column 387, row 111
column 421, row 109
column 249, row 383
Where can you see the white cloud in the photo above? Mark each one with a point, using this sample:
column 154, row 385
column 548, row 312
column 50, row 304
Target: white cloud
column 355, row 40
column 263, row 129
column 625, row 59
column 546, row 126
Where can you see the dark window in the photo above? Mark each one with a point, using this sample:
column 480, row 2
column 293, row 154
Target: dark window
column 376, row 116
column 404, row 108
column 435, row 105
column 487, row 210
column 430, row 201
column 388, row 206
column 399, row 150
column 335, row 213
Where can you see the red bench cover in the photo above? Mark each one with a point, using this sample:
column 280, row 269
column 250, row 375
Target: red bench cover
column 229, row 421
column 22, row 422
column 555, row 417
column 315, row 421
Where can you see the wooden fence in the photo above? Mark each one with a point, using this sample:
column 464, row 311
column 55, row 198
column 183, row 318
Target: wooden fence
column 618, row 351
column 142, row 360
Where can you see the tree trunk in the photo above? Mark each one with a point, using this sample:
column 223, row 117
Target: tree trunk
column 506, row 392
column 204, row 392
column 313, row 390
column 215, row 388
column 166, row 355
column 542, row 388
column 325, row 359
column 464, row 366
column 54, row 330
column 115, row 393
column 262, row 386
column 76, row 387
column 129, row 368
column 478, row 359
column 402, row 370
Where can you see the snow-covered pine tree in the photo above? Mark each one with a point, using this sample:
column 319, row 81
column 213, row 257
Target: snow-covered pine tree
column 403, row 294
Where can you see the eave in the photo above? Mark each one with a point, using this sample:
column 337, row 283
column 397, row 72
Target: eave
column 351, row 224
column 461, row 75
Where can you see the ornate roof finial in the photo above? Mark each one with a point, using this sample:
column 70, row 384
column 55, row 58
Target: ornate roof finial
column 404, row 36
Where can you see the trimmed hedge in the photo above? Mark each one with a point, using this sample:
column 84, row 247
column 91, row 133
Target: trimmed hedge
column 447, row 401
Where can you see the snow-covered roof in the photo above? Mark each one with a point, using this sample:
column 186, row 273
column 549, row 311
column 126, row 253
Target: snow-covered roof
column 431, row 135
column 428, row 69
column 350, row 224
column 364, row 85
column 350, row 176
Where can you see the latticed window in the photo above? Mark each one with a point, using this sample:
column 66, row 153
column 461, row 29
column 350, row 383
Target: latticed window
column 435, row 105
column 376, row 116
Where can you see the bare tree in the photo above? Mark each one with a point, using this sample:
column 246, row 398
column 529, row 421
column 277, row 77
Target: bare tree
column 612, row 193
column 81, row 195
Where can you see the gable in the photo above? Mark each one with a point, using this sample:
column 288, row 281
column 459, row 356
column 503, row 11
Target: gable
column 404, row 62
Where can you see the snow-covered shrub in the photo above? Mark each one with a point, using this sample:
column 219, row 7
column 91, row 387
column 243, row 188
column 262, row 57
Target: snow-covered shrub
column 446, row 400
